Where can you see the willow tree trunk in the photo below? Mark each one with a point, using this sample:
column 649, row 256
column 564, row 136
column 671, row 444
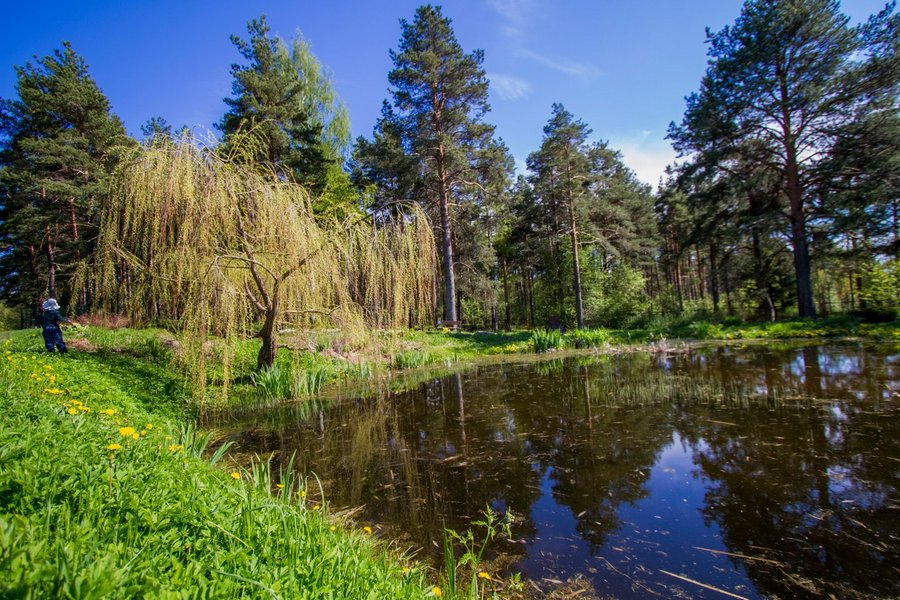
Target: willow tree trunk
column 266, row 357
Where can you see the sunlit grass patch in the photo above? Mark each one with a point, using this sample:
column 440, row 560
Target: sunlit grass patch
column 101, row 495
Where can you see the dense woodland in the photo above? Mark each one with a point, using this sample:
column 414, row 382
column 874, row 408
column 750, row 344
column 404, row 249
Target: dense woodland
column 784, row 202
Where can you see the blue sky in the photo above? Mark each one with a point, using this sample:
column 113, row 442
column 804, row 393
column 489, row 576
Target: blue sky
column 623, row 67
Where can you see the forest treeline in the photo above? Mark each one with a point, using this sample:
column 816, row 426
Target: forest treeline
column 784, row 200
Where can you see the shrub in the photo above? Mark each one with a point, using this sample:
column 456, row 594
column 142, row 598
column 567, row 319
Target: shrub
column 588, row 338
column 544, row 340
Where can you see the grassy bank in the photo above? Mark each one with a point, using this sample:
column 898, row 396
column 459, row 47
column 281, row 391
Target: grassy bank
column 105, row 492
column 311, row 362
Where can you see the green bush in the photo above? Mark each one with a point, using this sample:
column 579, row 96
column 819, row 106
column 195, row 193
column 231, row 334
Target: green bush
column 544, row 340
column 412, row 359
column 284, row 383
column 587, row 338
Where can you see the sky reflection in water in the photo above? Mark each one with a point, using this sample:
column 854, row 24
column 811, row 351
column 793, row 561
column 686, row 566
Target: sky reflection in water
column 758, row 470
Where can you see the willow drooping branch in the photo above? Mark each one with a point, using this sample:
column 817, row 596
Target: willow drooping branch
column 228, row 251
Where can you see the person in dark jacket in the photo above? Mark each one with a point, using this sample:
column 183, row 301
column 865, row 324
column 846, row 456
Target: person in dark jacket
column 50, row 320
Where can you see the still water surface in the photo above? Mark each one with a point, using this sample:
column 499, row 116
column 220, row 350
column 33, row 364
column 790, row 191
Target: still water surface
column 761, row 471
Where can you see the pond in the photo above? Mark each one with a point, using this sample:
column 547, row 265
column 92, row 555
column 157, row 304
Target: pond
column 711, row 472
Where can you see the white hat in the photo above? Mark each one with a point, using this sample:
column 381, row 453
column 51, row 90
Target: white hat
column 50, row 304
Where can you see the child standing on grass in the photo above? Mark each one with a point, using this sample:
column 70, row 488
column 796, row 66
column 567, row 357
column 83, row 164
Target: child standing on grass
column 50, row 320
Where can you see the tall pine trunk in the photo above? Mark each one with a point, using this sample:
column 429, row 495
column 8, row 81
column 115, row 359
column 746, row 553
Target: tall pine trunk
column 573, row 233
column 805, row 303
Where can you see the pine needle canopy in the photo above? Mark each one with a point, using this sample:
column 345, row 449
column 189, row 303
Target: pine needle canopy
column 225, row 250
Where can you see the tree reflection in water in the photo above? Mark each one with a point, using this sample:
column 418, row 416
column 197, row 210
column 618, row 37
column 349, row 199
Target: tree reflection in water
column 795, row 454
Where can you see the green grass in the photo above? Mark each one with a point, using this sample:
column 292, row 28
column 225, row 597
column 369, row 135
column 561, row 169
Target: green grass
column 80, row 517
column 87, row 510
column 700, row 329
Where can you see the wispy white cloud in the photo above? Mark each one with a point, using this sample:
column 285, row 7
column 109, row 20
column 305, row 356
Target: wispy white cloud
column 514, row 14
column 515, row 18
column 646, row 155
column 569, row 67
column 509, row 87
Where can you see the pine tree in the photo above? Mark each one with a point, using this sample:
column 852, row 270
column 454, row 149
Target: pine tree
column 440, row 97
column 285, row 102
column 58, row 144
column 560, row 170
column 588, row 195
column 780, row 84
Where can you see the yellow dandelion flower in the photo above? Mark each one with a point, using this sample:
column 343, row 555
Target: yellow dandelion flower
column 72, row 411
column 126, row 431
column 33, row 357
column 303, row 494
column 332, row 528
column 168, row 437
column 53, row 391
column 367, row 529
column 77, row 403
column 108, row 411
column 436, row 591
column 148, row 426
column 405, row 570
column 280, row 486
column 86, row 409
column 143, row 433
column 484, row 575
column 114, row 447
column 135, row 436
column 235, row 475
column 316, row 507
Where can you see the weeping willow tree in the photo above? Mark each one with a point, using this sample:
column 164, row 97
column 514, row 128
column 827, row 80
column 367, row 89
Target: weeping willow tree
column 228, row 251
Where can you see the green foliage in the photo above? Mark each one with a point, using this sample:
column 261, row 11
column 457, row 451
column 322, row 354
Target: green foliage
column 230, row 252
column 284, row 383
column 464, row 580
column 88, row 510
column 544, row 340
column 881, row 291
column 411, row 359
column 59, row 143
column 9, row 317
column 618, row 297
column 824, row 101
column 587, row 338
column 282, row 96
